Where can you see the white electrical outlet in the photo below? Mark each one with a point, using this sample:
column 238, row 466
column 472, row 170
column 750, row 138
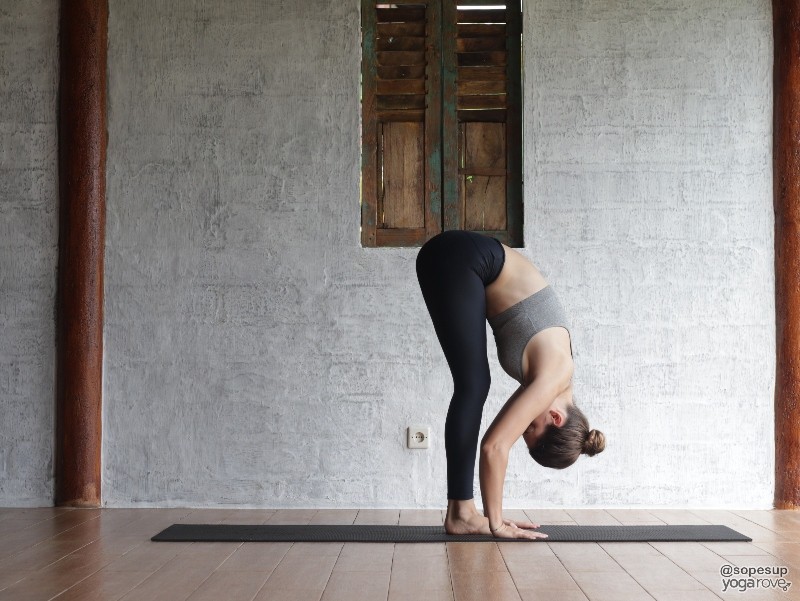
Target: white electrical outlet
column 418, row 437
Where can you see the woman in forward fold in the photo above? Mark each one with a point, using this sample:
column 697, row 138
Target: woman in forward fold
column 465, row 279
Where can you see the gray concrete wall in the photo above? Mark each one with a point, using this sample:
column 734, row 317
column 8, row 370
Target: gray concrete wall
column 648, row 137
column 256, row 355
column 28, row 249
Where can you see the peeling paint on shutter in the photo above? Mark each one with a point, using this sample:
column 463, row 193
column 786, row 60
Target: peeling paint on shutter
column 401, row 98
column 441, row 94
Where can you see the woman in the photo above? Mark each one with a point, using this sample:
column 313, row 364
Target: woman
column 467, row 278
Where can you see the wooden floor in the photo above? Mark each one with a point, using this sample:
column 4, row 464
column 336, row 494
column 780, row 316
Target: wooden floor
column 106, row 554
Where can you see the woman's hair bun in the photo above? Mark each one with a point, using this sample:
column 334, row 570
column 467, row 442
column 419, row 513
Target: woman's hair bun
column 594, row 443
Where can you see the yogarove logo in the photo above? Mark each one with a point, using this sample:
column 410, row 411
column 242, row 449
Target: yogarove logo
column 743, row 578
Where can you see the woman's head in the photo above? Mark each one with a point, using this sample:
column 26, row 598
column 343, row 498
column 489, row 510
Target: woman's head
column 560, row 445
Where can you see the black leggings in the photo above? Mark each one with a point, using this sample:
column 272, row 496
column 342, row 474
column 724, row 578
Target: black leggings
column 453, row 269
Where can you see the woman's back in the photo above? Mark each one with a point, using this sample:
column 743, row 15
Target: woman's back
column 518, row 280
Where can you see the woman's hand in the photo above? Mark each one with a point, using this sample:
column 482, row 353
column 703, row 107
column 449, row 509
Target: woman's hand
column 511, row 529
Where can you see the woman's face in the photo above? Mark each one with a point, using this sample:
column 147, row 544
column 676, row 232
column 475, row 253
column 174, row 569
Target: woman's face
column 536, row 429
column 538, row 426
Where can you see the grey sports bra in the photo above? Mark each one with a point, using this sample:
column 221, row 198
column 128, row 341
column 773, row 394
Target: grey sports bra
column 515, row 326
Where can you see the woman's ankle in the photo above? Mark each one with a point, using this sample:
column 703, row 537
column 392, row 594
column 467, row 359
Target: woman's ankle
column 461, row 509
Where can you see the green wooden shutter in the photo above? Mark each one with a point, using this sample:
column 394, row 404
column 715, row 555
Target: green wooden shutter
column 401, row 170
column 483, row 118
column 441, row 118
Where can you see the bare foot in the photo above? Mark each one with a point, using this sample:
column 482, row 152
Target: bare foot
column 469, row 524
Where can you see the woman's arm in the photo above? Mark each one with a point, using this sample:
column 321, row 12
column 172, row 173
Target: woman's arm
column 525, row 405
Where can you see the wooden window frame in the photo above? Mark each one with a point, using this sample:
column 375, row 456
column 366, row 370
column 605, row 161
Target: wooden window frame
column 443, row 205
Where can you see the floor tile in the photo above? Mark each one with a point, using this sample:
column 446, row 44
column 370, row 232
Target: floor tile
column 64, row 554
column 481, row 586
column 357, row 586
column 230, row 586
column 305, row 549
column 584, row 557
column 255, row 557
column 291, row 516
column 378, row 516
column 552, row 595
column 611, row 586
column 549, row 516
column 475, row 557
column 365, row 557
column 409, row 583
column 592, row 516
column 548, row 575
column 149, row 556
column 248, row 516
column 634, row 516
column 691, row 556
column 698, row 595
column 202, row 556
column 309, row 572
column 734, row 548
column 334, row 516
column 421, row 517
column 103, row 586
column 167, row 583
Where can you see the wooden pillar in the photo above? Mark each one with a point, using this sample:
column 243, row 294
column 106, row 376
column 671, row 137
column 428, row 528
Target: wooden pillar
column 786, row 199
column 82, row 140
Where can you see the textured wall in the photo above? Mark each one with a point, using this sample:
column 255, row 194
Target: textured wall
column 28, row 249
column 648, row 166
column 257, row 355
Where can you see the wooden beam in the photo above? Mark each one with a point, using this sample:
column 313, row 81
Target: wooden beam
column 786, row 199
column 82, row 140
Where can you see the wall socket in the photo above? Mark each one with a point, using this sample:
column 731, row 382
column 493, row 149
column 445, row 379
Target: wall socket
column 418, row 437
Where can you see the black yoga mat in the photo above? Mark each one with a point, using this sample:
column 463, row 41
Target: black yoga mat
column 434, row 534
